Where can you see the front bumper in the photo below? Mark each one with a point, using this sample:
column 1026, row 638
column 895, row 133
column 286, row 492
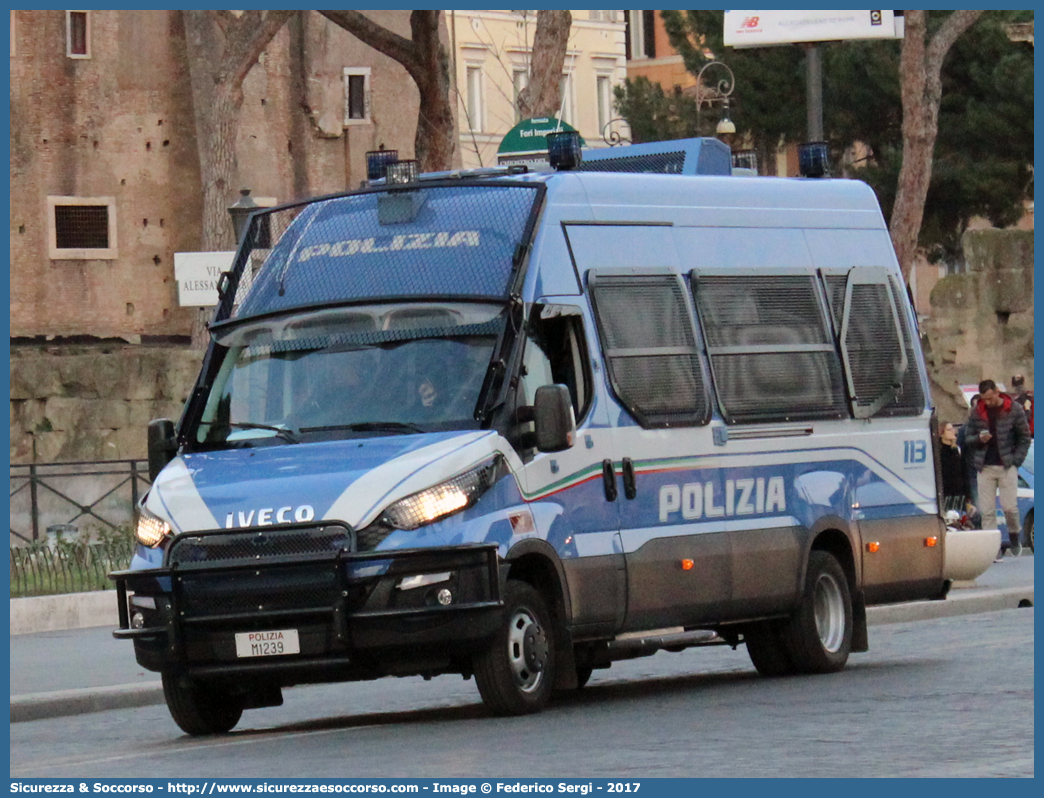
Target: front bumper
column 351, row 613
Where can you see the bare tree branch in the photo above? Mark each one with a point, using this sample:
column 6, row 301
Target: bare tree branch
column 384, row 41
column 543, row 95
column 425, row 59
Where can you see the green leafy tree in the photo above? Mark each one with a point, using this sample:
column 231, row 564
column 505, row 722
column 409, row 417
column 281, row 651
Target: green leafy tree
column 653, row 114
column 983, row 152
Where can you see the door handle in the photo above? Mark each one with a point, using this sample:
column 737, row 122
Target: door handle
column 609, row 480
column 630, row 485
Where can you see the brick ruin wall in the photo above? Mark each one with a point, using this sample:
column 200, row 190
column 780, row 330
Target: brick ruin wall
column 981, row 323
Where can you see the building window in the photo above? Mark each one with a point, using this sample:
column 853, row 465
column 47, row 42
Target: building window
column 475, row 106
column 602, row 16
column 605, row 101
column 567, row 112
column 78, row 34
column 641, row 34
column 356, row 95
column 520, row 78
column 82, row 228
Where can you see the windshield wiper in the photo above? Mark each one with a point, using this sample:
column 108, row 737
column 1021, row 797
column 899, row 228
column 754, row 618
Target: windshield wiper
column 368, row 426
column 281, row 432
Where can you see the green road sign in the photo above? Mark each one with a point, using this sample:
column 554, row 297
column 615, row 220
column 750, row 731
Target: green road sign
column 530, row 135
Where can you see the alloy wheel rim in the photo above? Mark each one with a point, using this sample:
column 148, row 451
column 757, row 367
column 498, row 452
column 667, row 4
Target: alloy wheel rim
column 829, row 609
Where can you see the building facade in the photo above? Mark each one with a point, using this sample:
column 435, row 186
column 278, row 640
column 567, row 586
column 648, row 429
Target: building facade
column 491, row 54
column 105, row 176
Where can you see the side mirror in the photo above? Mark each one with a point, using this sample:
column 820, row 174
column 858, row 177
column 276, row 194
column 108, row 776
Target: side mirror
column 162, row 445
column 554, row 419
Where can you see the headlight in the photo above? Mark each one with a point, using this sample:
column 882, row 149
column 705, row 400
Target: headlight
column 151, row 529
column 442, row 500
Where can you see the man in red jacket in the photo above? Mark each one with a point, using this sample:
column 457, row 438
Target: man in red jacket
column 999, row 435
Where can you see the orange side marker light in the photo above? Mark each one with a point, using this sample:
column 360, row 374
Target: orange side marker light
column 873, row 547
column 687, row 565
column 930, row 542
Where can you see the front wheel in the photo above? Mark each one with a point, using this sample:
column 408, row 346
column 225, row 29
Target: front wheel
column 1029, row 530
column 200, row 708
column 818, row 635
column 515, row 674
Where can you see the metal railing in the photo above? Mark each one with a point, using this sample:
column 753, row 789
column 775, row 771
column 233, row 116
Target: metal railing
column 63, row 496
column 69, row 565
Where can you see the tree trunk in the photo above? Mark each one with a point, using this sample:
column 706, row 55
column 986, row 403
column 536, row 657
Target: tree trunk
column 434, row 141
column 543, row 95
column 222, row 48
column 920, row 76
column 425, row 59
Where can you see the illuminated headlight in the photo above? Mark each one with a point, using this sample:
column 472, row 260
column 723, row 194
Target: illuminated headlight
column 442, row 500
column 151, row 529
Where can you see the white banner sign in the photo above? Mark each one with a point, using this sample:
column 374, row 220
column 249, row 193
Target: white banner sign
column 197, row 274
column 759, row 28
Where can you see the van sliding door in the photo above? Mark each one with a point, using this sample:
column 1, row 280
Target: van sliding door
column 671, row 498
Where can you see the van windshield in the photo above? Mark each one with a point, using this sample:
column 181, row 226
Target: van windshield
column 350, row 372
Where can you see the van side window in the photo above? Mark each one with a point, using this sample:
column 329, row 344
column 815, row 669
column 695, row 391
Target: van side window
column 650, row 349
column 554, row 354
column 875, row 327
column 772, row 353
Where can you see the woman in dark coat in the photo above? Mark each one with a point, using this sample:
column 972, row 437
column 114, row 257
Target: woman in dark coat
column 954, row 478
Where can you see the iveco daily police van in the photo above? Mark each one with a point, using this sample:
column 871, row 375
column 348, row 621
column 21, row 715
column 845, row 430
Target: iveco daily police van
column 518, row 425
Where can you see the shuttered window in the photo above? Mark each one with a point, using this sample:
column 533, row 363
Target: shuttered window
column 772, row 352
column 650, row 350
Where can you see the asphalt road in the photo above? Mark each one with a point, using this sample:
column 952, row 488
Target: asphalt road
column 951, row 697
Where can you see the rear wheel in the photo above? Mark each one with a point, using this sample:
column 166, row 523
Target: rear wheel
column 818, row 635
column 515, row 674
column 1029, row 531
column 583, row 675
column 200, row 708
column 767, row 649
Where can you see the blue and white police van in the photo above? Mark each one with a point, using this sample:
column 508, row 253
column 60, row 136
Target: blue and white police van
column 518, row 425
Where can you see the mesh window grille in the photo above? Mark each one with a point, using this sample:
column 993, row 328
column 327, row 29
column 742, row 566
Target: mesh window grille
column 872, row 343
column 432, row 241
column 650, row 349
column 81, row 226
column 772, row 352
column 910, row 401
column 666, row 163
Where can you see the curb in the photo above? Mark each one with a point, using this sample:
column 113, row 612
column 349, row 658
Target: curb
column 62, row 703
column 956, row 603
column 63, row 611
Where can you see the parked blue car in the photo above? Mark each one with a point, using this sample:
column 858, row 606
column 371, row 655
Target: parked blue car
column 1025, row 505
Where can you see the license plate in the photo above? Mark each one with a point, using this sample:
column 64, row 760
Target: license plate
column 267, row 644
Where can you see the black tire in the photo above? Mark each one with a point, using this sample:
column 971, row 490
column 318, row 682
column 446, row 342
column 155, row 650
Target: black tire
column 199, row 708
column 516, row 673
column 767, row 649
column 818, row 636
column 1028, row 531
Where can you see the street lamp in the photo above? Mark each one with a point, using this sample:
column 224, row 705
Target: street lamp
column 721, row 94
column 240, row 212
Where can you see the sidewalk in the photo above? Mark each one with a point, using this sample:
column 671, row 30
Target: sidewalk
column 71, row 672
